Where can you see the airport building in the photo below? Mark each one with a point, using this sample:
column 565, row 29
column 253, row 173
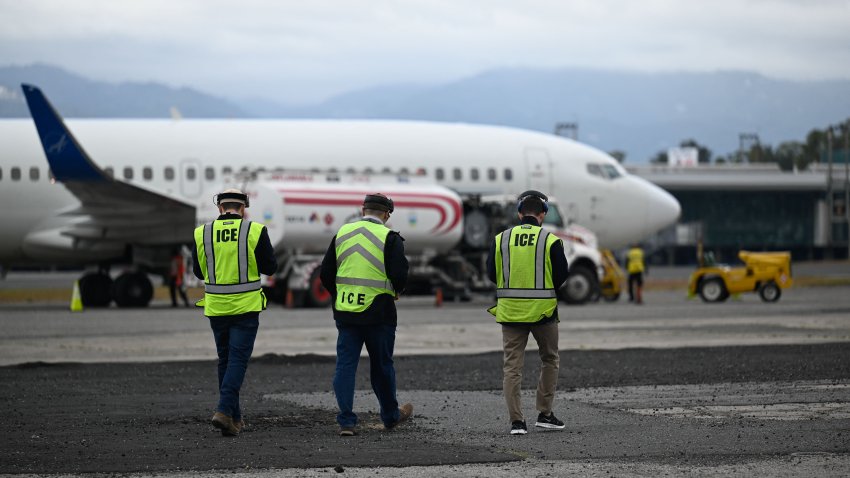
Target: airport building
column 757, row 207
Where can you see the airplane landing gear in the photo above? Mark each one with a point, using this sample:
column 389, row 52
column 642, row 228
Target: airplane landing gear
column 95, row 289
column 132, row 289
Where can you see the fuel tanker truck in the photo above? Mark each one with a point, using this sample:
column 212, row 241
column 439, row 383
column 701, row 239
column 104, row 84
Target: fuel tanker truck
column 447, row 237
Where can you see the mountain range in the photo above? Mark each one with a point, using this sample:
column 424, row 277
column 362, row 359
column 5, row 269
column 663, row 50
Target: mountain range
column 637, row 113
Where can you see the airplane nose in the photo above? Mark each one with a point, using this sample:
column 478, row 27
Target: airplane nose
column 663, row 210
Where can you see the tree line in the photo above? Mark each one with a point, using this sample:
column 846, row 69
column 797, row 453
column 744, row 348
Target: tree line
column 788, row 155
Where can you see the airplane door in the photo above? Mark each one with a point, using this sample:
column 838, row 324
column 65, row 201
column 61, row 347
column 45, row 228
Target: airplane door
column 539, row 167
column 190, row 178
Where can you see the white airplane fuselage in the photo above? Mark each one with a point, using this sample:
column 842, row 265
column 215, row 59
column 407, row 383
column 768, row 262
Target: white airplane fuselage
column 620, row 208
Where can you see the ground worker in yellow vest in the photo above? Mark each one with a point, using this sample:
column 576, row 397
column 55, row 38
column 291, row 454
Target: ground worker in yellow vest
column 636, row 269
column 365, row 269
column 528, row 265
column 230, row 254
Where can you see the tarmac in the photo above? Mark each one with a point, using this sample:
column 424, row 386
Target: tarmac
column 673, row 387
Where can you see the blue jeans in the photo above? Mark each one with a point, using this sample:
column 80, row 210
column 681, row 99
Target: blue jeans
column 234, row 342
column 379, row 340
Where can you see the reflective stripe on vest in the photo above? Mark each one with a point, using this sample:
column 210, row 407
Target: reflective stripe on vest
column 242, row 258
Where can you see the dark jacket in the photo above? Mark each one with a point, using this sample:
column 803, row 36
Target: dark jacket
column 560, row 268
column 263, row 252
column 382, row 310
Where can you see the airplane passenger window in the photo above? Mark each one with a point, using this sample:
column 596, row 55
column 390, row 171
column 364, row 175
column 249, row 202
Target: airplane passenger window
column 1, row 174
column 491, row 174
column 109, row 171
column 350, row 171
column 595, row 170
column 209, row 173
column 226, row 170
column 386, row 171
column 15, row 174
column 439, row 174
column 421, row 171
column 509, row 174
column 368, row 171
column 169, row 173
column 147, row 173
column 190, row 174
column 473, row 174
column 34, row 173
column 128, row 173
column 404, row 171
column 457, row 174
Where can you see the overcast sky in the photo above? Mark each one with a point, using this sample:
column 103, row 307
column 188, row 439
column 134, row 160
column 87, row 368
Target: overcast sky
column 307, row 50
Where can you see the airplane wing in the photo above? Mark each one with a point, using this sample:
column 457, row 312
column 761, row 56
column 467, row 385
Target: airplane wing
column 110, row 210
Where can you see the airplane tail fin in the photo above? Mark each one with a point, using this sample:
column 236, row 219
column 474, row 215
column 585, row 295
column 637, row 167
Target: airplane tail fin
column 68, row 160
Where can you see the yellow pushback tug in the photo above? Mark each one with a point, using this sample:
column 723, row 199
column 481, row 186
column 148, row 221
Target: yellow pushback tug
column 764, row 272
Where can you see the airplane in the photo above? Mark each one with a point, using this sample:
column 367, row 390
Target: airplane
column 127, row 191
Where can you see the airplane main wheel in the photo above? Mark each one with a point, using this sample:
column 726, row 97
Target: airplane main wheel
column 770, row 292
column 95, row 290
column 713, row 290
column 579, row 287
column 132, row 289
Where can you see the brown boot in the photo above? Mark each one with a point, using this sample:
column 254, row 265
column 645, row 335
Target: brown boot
column 404, row 412
column 225, row 424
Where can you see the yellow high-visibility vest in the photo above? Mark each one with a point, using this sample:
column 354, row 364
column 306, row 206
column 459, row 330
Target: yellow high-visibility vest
column 524, row 288
column 226, row 256
column 361, row 273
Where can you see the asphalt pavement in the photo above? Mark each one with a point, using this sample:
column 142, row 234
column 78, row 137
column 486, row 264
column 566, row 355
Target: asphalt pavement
column 675, row 386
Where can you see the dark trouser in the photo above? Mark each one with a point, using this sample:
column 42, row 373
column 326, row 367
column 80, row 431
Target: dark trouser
column 635, row 286
column 380, row 341
column 173, row 288
column 234, row 342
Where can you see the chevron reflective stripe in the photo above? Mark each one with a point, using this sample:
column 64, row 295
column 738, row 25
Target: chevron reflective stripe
column 506, row 256
column 209, row 252
column 232, row 288
column 242, row 246
column 365, row 282
column 526, row 294
column 366, row 255
column 540, row 260
column 366, row 233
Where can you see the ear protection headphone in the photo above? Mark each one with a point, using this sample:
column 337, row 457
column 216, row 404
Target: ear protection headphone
column 235, row 196
column 532, row 194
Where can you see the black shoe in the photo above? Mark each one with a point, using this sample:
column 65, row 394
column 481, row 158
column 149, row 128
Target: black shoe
column 518, row 428
column 550, row 421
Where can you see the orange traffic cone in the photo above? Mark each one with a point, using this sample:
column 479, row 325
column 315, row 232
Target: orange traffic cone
column 76, row 300
column 289, row 302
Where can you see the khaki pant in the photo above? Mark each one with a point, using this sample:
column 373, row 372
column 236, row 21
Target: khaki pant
column 514, row 340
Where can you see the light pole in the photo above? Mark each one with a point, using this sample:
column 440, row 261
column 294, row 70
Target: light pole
column 571, row 128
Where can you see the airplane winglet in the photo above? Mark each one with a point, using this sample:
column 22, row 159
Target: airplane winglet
column 68, row 160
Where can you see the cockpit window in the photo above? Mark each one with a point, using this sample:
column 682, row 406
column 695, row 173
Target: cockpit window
column 604, row 171
column 611, row 171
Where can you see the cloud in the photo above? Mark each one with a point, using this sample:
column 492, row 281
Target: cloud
column 293, row 50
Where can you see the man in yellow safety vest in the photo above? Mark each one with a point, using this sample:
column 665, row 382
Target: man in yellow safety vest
column 528, row 265
column 365, row 269
column 636, row 268
column 230, row 254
